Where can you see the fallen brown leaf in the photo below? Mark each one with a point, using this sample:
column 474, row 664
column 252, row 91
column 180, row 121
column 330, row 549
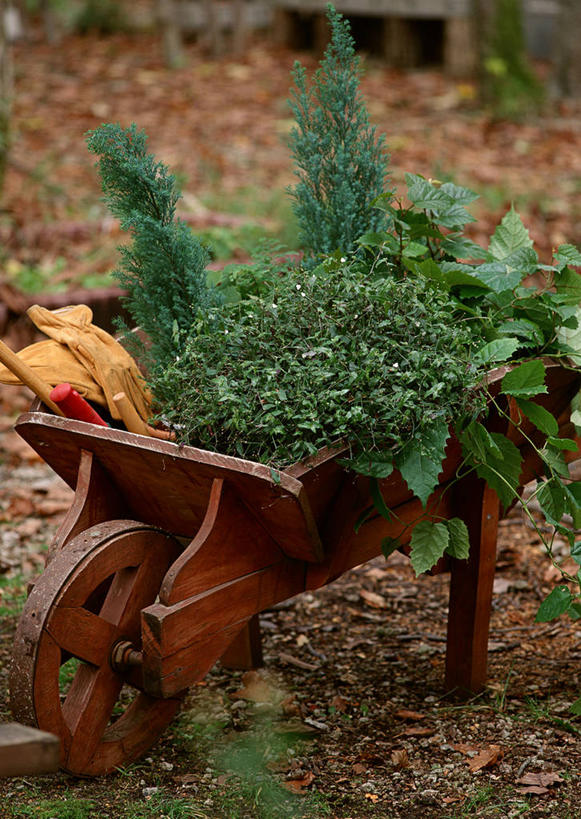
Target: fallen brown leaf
column 399, row 758
column 372, row 599
column 486, row 758
column 299, row 785
column 419, row 731
column 359, row 769
column 538, row 783
column 373, row 797
column 339, row 703
column 403, row 713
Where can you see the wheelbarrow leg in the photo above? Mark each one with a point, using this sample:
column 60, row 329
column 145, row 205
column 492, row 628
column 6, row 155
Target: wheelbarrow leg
column 471, row 588
column 245, row 650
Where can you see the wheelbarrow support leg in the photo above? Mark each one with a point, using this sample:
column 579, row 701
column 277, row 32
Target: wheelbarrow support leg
column 471, row 588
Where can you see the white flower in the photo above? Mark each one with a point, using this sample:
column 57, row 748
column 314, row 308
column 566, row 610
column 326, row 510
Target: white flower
column 298, row 286
column 396, row 365
column 343, row 259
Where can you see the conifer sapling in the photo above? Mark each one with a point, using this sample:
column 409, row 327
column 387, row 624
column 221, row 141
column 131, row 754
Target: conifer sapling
column 340, row 162
column 163, row 269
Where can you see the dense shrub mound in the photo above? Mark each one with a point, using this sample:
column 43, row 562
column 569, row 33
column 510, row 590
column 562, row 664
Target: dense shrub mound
column 333, row 354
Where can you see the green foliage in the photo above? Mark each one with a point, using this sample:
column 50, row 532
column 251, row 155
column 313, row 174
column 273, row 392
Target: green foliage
column 101, row 16
column 163, row 269
column 66, row 807
column 511, row 85
column 337, row 353
column 340, row 163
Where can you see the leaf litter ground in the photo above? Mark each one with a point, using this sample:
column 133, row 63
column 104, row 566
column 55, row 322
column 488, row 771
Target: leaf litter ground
column 349, row 718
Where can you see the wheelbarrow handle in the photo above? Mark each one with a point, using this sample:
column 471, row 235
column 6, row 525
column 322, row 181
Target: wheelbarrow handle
column 28, row 377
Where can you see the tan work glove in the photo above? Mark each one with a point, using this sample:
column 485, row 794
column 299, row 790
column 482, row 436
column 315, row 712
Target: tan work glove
column 55, row 364
column 104, row 359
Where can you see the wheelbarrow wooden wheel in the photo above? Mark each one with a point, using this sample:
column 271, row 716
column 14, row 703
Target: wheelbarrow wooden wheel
column 81, row 610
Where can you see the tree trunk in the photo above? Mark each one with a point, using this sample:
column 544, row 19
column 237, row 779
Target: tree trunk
column 482, row 13
column 5, row 86
column 566, row 48
column 173, row 50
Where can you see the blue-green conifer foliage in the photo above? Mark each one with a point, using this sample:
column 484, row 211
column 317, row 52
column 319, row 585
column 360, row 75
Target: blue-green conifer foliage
column 340, row 162
column 163, row 269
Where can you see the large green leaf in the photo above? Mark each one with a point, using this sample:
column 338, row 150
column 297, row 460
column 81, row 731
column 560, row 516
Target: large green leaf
column 497, row 350
column 568, row 285
column 420, row 462
column 499, row 463
column 428, row 544
column 526, row 380
column 555, row 460
column 568, row 254
column 553, row 500
column 510, row 235
column 554, row 605
column 541, row 418
column 459, row 542
column 498, row 276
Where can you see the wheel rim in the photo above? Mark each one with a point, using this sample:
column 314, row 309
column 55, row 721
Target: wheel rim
column 90, row 597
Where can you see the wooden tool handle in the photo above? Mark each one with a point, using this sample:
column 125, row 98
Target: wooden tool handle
column 134, row 422
column 28, row 377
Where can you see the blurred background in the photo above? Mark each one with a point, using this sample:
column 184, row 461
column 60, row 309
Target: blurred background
column 484, row 93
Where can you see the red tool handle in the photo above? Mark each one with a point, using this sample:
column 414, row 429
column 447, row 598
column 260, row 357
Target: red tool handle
column 74, row 406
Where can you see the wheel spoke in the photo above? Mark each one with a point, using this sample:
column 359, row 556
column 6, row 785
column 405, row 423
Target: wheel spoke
column 87, row 710
column 82, row 634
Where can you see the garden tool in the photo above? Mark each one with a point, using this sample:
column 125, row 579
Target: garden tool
column 74, row 406
column 22, row 373
column 104, row 360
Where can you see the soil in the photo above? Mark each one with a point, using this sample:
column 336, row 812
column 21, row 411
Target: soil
column 349, row 716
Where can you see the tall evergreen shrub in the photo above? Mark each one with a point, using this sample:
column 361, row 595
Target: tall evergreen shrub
column 164, row 267
column 340, row 163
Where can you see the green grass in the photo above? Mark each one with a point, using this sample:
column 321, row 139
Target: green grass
column 12, row 596
column 66, row 807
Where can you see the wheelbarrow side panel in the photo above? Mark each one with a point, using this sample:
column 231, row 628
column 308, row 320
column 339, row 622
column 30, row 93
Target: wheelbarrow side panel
column 169, row 486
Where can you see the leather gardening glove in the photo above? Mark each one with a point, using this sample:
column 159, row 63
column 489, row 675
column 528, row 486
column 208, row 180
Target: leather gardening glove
column 103, row 358
column 54, row 363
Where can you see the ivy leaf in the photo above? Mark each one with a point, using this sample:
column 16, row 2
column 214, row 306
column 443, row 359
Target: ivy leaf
column 378, row 499
column 526, row 380
column 555, row 460
column 429, row 542
column 420, row 461
column 389, row 545
column 459, row 542
column 541, row 418
column 498, row 276
column 576, row 707
column 554, row 605
column 497, row 350
column 568, row 254
column 463, row 196
column 510, row 235
column 568, row 285
column 573, row 492
column 553, row 499
column 370, row 464
column 522, row 328
column 499, row 465
column 566, row 444
column 576, row 552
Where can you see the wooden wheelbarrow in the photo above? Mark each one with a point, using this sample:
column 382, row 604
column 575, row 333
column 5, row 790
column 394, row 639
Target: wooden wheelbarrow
column 168, row 553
